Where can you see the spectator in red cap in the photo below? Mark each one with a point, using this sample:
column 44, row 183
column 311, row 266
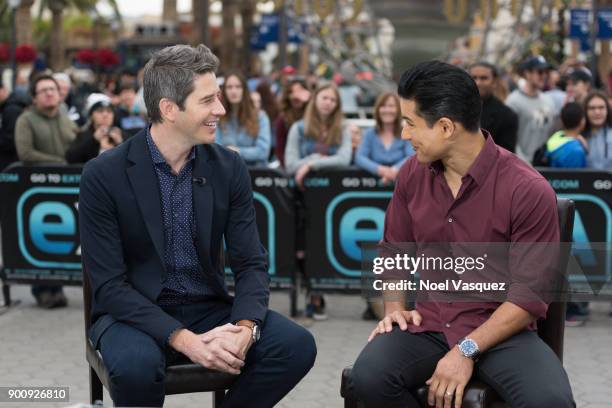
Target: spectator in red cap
column 288, row 70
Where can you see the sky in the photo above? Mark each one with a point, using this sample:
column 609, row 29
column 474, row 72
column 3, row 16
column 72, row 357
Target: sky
column 137, row 8
column 134, row 8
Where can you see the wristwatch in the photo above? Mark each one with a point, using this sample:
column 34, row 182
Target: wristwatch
column 251, row 325
column 469, row 348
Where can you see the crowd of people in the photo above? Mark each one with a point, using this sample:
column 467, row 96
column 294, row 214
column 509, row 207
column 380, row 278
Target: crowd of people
column 548, row 116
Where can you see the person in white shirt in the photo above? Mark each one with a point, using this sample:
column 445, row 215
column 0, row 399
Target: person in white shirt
column 535, row 110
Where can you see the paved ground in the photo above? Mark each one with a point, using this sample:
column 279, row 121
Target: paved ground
column 40, row 347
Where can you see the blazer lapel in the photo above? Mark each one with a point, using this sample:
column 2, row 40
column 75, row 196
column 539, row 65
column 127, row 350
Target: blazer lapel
column 203, row 197
column 144, row 182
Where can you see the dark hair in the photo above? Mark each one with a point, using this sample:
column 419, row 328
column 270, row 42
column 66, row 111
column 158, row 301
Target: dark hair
column 42, row 77
column 442, row 90
column 127, row 86
column 596, row 94
column 562, row 82
column 268, row 100
column 580, row 75
column 290, row 114
column 170, row 74
column 128, row 71
column 571, row 115
column 487, row 65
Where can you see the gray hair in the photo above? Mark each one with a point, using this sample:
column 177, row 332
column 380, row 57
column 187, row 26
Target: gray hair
column 62, row 77
column 170, row 74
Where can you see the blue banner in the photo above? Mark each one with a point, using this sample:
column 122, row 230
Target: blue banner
column 604, row 24
column 268, row 31
column 579, row 24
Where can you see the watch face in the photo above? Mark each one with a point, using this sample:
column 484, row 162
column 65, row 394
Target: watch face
column 468, row 347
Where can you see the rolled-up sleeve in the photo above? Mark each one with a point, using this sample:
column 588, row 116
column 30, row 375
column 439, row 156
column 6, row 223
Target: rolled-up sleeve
column 534, row 247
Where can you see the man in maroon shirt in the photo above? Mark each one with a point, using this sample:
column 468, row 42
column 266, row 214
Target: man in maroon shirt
column 460, row 187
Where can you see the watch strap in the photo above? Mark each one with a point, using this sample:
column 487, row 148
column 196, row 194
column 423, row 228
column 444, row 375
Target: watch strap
column 251, row 325
column 247, row 323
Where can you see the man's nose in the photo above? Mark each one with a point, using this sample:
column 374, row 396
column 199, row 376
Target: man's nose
column 219, row 109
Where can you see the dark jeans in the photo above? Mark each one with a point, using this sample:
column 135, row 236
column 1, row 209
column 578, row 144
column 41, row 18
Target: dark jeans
column 523, row 370
column 274, row 365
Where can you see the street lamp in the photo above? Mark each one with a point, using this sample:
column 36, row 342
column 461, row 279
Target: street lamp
column 13, row 4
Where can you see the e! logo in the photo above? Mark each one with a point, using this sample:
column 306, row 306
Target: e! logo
column 47, row 227
column 352, row 219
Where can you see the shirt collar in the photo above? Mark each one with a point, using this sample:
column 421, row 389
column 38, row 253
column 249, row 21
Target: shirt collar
column 481, row 166
column 436, row 167
column 156, row 154
column 479, row 170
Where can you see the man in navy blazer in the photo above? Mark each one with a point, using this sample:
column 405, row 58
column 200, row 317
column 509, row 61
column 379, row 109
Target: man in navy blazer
column 153, row 213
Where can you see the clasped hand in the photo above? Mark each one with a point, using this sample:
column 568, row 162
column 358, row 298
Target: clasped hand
column 223, row 348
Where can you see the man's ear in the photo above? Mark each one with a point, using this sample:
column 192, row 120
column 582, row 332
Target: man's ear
column 168, row 110
column 448, row 127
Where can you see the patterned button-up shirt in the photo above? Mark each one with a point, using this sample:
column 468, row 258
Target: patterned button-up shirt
column 185, row 277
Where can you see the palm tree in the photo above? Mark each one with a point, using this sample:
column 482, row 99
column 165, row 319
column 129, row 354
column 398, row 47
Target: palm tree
column 200, row 11
column 57, row 7
column 169, row 14
column 228, row 35
column 23, row 22
column 23, row 30
column 247, row 12
column 57, row 46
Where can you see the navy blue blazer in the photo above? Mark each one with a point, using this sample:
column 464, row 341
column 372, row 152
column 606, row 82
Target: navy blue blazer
column 122, row 237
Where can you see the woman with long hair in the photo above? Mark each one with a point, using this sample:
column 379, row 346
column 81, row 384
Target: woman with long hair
column 598, row 131
column 382, row 151
column 269, row 104
column 320, row 140
column 294, row 98
column 243, row 128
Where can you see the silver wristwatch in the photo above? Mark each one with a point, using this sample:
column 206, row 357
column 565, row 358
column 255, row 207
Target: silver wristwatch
column 256, row 333
column 469, row 348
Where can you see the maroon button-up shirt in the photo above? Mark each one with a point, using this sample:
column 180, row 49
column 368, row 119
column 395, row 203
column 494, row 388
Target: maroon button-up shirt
column 501, row 199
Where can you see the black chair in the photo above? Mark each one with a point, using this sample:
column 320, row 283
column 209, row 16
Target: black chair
column 478, row 394
column 180, row 379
